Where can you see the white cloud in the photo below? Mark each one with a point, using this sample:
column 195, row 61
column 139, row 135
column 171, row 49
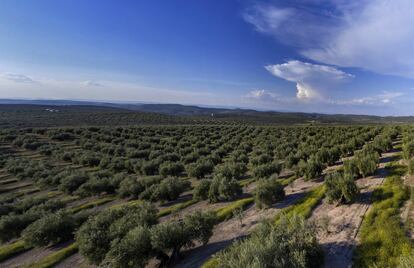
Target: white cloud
column 313, row 81
column 91, row 84
column 378, row 100
column 261, row 95
column 375, row 35
column 286, row 23
column 17, row 78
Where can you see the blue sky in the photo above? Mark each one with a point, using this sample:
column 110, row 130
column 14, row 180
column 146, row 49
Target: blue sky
column 324, row 56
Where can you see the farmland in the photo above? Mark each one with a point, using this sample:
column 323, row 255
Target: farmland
column 191, row 195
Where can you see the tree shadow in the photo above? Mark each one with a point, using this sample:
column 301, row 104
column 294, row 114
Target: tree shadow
column 364, row 198
column 288, row 200
column 338, row 255
column 195, row 257
column 181, row 199
column 389, row 159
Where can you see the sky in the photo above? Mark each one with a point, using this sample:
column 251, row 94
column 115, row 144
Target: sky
column 324, row 56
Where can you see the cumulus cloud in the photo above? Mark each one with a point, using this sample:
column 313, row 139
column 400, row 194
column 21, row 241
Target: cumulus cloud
column 17, row 78
column 261, row 95
column 313, row 81
column 91, row 84
column 375, row 35
column 378, row 100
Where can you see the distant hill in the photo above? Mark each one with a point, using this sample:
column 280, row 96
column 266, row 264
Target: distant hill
column 87, row 112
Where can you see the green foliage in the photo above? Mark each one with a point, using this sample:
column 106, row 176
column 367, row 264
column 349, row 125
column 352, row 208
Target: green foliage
column 169, row 236
column 200, row 226
column 310, row 169
column 201, row 191
column 351, row 168
column 408, row 149
column 266, row 170
column 134, row 250
column 173, row 236
column 169, row 168
column 267, row 192
column 133, row 187
column 289, row 243
column 231, row 170
column 12, row 225
column 366, row 161
column 9, row 250
column 51, row 229
column 167, row 190
column 106, row 159
column 150, row 167
column 56, row 257
column 305, row 205
column 406, row 261
column 411, row 166
column 176, row 207
column 227, row 212
column 340, row 188
column 95, row 236
column 98, row 185
column 223, row 188
column 382, row 238
column 262, row 159
column 72, row 182
column 92, row 204
column 200, row 169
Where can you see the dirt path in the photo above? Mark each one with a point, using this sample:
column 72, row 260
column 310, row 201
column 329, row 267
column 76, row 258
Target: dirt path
column 338, row 237
column 226, row 232
column 73, row 261
column 31, row 256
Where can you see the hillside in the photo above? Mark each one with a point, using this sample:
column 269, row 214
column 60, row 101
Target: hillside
column 60, row 113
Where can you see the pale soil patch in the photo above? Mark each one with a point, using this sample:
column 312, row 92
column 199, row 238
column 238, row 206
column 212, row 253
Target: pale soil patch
column 15, row 187
column 4, row 175
column 76, row 260
column 31, row 256
column 227, row 232
column 338, row 237
column 407, row 211
column 199, row 206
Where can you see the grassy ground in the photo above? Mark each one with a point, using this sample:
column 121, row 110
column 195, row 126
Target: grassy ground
column 382, row 237
column 9, row 250
column 56, row 257
column 227, row 212
column 176, row 208
column 305, row 205
column 93, row 204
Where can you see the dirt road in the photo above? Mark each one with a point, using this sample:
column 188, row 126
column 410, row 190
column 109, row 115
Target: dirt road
column 340, row 237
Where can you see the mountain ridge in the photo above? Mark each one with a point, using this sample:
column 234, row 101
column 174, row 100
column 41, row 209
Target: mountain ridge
column 217, row 113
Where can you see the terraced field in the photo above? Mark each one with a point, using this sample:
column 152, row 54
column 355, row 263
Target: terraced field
column 211, row 185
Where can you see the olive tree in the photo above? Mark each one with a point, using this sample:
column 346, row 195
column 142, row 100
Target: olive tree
column 223, row 188
column 340, row 188
column 134, row 250
column 291, row 242
column 267, row 192
column 51, row 229
column 201, row 191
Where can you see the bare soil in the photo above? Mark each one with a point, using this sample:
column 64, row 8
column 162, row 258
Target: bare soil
column 227, row 232
column 339, row 225
column 31, row 256
column 73, row 261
